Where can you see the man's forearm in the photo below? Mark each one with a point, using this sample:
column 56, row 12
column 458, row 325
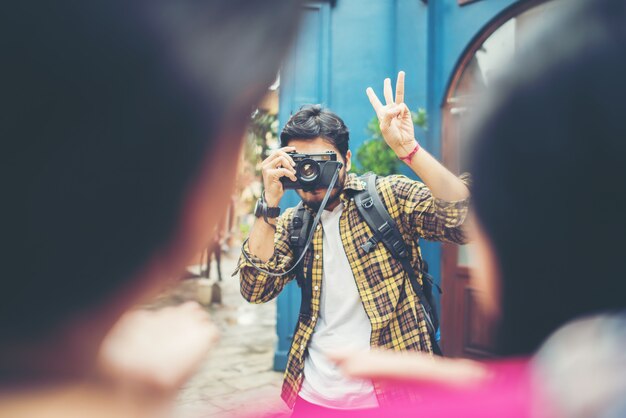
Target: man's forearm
column 261, row 242
column 396, row 125
column 442, row 183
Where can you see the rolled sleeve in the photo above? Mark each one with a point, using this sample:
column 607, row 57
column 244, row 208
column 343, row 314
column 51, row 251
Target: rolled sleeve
column 278, row 263
column 432, row 218
column 452, row 214
column 257, row 286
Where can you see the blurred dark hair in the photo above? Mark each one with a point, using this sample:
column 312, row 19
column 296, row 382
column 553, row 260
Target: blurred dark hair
column 108, row 110
column 549, row 172
column 312, row 122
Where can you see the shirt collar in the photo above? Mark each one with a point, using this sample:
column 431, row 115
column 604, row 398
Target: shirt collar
column 352, row 184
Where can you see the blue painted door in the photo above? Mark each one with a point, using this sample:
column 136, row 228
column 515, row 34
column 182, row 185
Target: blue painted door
column 304, row 80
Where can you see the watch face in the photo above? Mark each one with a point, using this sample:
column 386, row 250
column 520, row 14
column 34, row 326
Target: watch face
column 258, row 209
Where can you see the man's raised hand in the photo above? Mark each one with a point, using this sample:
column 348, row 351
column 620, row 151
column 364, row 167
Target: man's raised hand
column 394, row 117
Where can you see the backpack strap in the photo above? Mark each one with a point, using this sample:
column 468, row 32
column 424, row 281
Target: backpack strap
column 374, row 212
column 300, row 225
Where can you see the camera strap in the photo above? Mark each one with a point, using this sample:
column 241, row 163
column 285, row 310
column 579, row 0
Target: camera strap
column 309, row 239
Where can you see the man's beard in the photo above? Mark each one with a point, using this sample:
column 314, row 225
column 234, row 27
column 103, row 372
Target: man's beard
column 334, row 194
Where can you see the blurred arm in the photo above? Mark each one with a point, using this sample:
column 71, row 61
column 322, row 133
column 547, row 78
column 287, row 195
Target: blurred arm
column 410, row 367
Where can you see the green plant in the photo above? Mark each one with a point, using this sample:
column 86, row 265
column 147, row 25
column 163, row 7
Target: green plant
column 244, row 229
column 261, row 137
column 375, row 155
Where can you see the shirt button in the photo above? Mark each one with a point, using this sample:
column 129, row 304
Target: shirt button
column 301, row 347
column 316, row 288
column 317, row 256
column 318, row 227
column 313, row 318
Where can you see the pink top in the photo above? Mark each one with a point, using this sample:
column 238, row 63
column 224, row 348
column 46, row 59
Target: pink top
column 506, row 393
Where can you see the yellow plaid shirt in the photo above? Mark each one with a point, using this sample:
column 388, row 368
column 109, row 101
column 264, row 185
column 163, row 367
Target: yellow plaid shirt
column 385, row 290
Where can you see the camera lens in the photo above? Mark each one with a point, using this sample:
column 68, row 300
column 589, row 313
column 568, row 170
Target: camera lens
column 308, row 171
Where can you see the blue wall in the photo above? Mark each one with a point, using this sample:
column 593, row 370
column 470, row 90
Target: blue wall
column 345, row 48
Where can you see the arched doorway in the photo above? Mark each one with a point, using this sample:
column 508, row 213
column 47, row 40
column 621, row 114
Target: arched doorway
column 465, row 333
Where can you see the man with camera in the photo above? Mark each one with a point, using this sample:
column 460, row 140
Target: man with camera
column 353, row 246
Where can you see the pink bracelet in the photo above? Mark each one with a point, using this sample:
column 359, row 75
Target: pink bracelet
column 409, row 157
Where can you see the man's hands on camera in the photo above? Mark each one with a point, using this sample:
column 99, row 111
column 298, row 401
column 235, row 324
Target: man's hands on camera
column 279, row 164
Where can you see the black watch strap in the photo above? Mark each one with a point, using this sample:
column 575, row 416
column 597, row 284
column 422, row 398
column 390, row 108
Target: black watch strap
column 269, row 212
column 272, row 212
column 262, row 210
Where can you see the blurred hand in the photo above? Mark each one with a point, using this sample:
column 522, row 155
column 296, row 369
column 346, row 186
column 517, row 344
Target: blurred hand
column 394, row 117
column 278, row 164
column 407, row 366
column 379, row 364
column 158, row 350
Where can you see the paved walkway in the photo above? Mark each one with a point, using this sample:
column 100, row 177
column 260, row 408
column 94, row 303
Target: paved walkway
column 237, row 376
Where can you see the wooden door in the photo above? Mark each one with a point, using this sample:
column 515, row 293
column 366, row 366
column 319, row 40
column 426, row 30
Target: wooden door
column 464, row 330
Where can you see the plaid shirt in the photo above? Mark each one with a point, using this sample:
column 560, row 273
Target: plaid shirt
column 385, row 290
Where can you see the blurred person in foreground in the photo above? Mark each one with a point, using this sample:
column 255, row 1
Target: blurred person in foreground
column 361, row 295
column 121, row 122
column 549, row 196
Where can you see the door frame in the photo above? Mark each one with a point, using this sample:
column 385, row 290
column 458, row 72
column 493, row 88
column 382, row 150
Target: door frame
column 455, row 338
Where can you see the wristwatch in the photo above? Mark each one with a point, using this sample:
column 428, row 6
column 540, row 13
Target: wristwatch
column 261, row 209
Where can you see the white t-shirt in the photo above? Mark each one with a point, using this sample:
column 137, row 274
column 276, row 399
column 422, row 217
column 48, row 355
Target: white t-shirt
column 342, row 324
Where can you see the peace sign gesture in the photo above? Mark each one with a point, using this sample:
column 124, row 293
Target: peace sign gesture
column 394, row 117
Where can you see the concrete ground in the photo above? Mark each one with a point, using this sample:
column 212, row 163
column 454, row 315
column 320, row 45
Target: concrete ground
column 237, row 377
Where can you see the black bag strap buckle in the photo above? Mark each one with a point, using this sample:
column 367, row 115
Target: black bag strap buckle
column 368, row 202
column 386, row 230
column 370, row 244
column 400, row 249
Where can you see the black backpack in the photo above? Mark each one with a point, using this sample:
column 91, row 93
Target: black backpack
column 374, row 212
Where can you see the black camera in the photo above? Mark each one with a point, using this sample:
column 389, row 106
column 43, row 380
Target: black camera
column 313, row 171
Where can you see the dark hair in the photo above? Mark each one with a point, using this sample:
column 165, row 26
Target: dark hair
column 312, row 122
column 108, row 110
column 549, row 171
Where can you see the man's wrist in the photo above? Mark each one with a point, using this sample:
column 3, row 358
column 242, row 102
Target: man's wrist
column 406, row 153
column 272, row 203
column 263, row 210
column 402, row 150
